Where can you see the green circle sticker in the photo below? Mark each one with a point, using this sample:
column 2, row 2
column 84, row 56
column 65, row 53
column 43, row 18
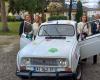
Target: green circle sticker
column 53, row 50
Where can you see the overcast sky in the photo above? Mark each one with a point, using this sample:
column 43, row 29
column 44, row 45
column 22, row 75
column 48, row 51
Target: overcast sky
column 89, row 4
column 92, row 4
column 93, row 0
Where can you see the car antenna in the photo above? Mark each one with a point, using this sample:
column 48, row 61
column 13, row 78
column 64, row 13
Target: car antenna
column 57, row 21
column 56, row 27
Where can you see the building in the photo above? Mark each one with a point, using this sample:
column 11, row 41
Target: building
column 90, row 7
column 90, row 11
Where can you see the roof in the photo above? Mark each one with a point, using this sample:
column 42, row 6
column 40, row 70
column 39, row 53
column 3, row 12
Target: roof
column 60, row 22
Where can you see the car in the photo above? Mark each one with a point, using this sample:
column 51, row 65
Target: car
column 56, row 52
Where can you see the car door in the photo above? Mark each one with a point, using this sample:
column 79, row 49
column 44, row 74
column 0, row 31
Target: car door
column 25, row 37
column 90, row 46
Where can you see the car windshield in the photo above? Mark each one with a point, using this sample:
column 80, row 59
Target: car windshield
column 57, row 30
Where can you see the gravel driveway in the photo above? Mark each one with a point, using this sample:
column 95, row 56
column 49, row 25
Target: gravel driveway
column 8, row 50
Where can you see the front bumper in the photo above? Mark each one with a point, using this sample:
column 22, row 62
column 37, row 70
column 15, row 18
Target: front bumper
column 30, row 74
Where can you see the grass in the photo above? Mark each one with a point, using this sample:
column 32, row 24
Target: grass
column 13, row 27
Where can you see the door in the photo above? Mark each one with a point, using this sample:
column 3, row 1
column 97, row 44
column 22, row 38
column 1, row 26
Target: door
column 91, row 45
column 24, row 40
column 26, row 36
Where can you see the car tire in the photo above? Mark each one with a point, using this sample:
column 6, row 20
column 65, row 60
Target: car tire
column 25, row 78
column 74, row 78
column 79, row 72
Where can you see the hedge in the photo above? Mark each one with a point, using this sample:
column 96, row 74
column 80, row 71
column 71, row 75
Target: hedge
column 12, row 19
column 57, row 18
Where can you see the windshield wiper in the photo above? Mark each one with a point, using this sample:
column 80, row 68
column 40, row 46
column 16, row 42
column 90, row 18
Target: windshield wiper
column 46, row 32
column 57, row 31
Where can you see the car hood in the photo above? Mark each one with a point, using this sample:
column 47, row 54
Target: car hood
column 48, row 49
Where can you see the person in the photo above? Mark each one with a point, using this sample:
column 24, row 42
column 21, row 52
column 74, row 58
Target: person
column 95, row 29
column 36, row 25
column 24, row 26
column 83, row 28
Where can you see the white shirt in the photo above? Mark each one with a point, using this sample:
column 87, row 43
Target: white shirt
column 35, row 28
column 82, row 27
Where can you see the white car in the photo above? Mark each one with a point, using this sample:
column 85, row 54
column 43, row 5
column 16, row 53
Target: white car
column 56, row 51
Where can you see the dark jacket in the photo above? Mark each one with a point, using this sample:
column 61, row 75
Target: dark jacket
column 21, row 28
column 25, row 27
column 94, row 28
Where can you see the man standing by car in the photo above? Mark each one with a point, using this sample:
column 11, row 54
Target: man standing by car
column 24, row 25
column 95, row 29
column 96, row 25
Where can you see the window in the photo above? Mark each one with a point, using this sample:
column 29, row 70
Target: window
column 57, row 30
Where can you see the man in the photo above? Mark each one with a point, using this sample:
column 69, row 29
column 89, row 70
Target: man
column 95, row 25
column 95, row 29
column 25, row 25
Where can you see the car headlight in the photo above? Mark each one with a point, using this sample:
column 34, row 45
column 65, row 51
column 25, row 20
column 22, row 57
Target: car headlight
column 26, row 61
column 63, row 62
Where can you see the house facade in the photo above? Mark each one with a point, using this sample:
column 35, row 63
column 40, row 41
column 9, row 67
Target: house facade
column 90, row 7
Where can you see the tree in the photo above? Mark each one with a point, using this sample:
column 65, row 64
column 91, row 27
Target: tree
column 3, row 16
column 70, row 9
column 32, row 6
column 13, row 6
column 79, row 12
column 99, row 3
column 55, row 8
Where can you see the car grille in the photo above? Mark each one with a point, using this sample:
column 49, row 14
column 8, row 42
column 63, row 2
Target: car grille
column 47, row 62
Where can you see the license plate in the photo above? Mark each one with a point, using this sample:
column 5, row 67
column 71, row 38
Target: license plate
column 45, row 69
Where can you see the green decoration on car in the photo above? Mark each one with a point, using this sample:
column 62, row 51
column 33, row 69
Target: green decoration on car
column 53, row 50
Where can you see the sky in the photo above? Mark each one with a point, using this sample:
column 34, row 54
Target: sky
column 93, row 0
column 87, row 0
column 92, row 4
column 89, row 4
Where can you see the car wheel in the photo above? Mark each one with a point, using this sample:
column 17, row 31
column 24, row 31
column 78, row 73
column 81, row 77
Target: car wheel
column 74, row 78
column 79, row 72
column 24, row 78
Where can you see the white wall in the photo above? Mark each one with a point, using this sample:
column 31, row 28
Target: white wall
column 90, row 13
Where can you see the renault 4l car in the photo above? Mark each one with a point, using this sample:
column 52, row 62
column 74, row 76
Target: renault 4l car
column 56, row 51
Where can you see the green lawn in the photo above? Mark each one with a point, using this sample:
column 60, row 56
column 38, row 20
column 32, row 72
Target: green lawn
column 13, row 26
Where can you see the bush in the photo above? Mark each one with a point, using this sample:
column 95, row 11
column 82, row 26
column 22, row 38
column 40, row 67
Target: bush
column 57, row 18
column 12, row 19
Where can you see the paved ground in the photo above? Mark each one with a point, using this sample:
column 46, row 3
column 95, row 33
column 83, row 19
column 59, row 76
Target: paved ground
column 8, row 50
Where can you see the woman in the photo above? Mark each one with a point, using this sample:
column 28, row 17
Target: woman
column 83, row 28
column 36, row 25
column 24, row 25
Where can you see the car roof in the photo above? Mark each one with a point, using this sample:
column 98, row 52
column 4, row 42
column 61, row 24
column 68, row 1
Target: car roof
column 60, row 22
